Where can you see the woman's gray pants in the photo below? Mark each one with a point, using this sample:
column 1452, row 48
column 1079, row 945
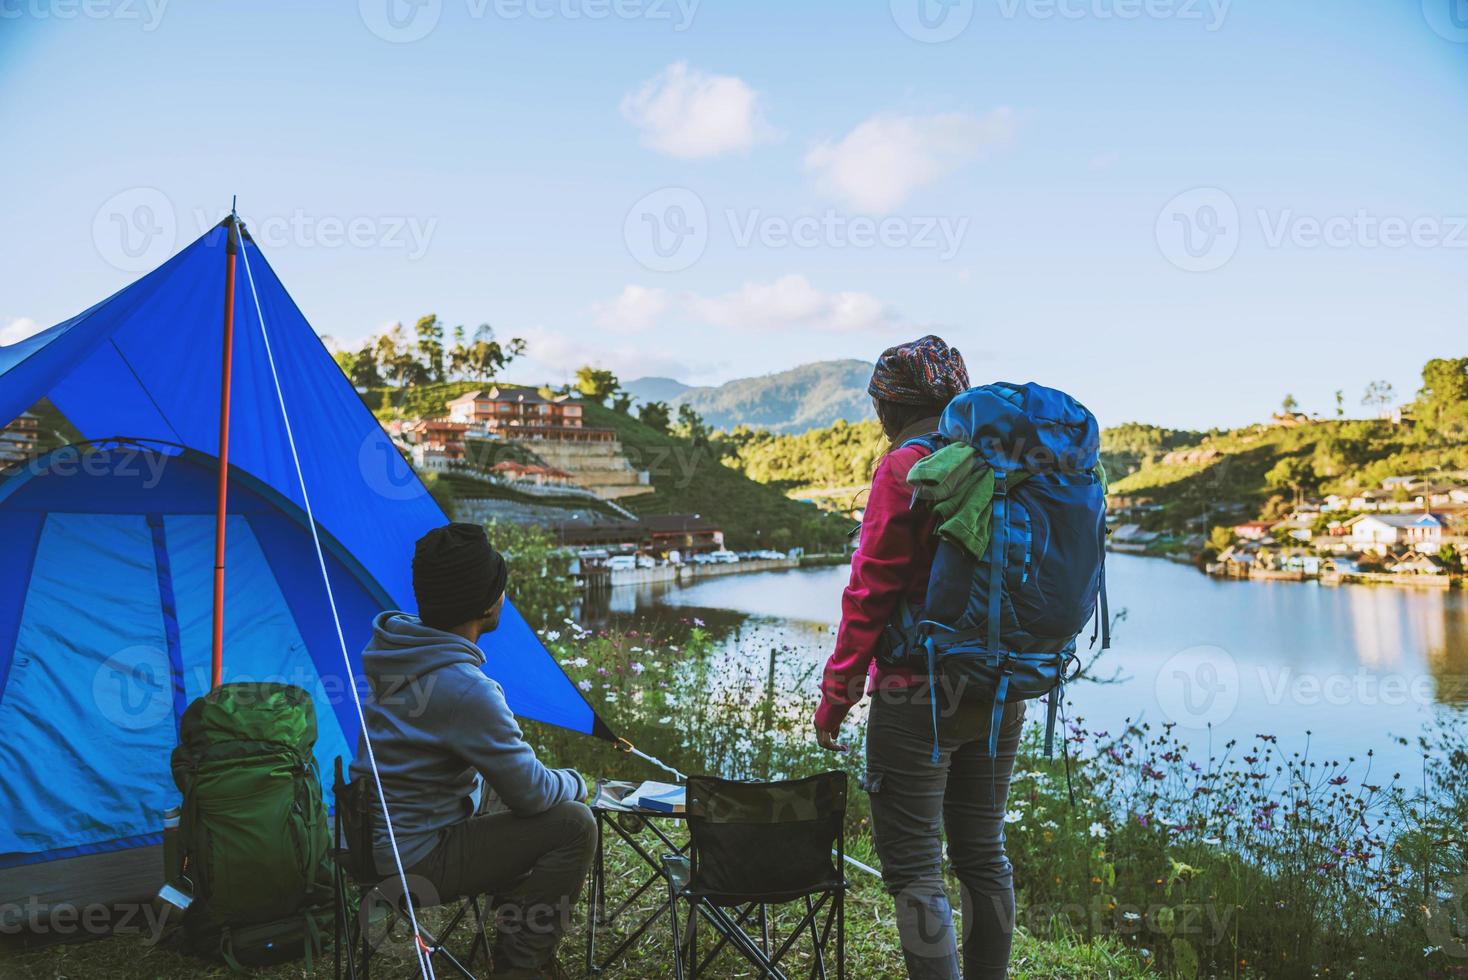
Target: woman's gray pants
column 964, row 791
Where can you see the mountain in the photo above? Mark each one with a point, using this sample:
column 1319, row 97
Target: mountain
column 810, row 396
column 656, row 389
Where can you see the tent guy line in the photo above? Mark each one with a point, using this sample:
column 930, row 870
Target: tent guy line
column 425, row 964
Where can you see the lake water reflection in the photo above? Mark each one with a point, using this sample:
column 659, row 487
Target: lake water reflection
column 1352, row 665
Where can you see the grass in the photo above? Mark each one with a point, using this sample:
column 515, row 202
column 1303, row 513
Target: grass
column 689, row 479
column 872, row 949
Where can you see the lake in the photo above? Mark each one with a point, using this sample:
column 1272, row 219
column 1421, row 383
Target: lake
column 1354, row 666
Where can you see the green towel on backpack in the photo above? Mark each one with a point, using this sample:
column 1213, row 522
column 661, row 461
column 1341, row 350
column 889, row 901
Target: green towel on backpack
column 960, row 487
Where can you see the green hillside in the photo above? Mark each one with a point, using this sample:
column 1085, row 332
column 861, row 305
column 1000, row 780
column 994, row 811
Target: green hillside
column 805, row 397
column 688, row 479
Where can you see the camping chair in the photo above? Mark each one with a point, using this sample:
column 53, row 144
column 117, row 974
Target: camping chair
column 755, row 845
column 360, row 888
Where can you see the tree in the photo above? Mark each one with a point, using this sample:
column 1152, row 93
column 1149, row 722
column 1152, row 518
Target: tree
column 655, row 415
column 691, row 426
column 622, row 402
column 1221, row 538
column 1290, row 405
column 486, row 357
column 596, row 383
column 429, row 331
column 360, row 367
column 1380, row 394
column 1294, row 473
column 1443, row 401
column 1340, row 404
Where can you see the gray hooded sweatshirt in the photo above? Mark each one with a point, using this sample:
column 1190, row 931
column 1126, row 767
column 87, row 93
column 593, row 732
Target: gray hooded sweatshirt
column 437, row 723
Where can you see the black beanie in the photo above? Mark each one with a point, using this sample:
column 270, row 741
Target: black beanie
column 457, row 575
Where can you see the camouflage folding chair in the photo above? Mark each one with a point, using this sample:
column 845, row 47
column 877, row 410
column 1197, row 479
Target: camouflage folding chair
column 755, row 845
column 361, row 890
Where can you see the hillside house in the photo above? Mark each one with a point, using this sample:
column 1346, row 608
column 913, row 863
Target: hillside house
column 19, row 439
column 1383, row 534
column 437, row 437
column 1254, row 530
column 541, row 476
column 514, row 412
column 1414, row 562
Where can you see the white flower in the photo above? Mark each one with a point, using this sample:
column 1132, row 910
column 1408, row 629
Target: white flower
column 580, row 661
column 571, row 623
column 584, row 685
column 1013, row 816
column 1098, row 830
column 1131, row 916
column 553, row 636
column 665, row 720
column 611, row 697
column 1050, row 825
column 636, row 667
column 636, row 650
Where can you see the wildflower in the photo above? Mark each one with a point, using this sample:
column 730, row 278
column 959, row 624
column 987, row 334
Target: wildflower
column 611, row 697
column 585, row 686
column 1097, row 830
column 665, row 720
column 553, row 636
column 636, row 667
column 1013, row 816
column 580, row 661
column 697, row 621
column 635, row 650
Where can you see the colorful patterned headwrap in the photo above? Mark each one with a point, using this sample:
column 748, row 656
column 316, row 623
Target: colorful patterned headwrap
column 923, row 372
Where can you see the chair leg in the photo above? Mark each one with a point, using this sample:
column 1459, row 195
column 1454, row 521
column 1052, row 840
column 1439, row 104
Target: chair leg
column 693, row 940
column 764, row 928
column 818, row 968
column 841, row 934
column 677, row 942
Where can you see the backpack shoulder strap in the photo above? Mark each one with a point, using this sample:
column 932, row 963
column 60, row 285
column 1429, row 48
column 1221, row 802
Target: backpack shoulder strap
column 930, row 441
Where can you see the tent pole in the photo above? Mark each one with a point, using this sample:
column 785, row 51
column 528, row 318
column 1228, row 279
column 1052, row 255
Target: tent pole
column 231, row 249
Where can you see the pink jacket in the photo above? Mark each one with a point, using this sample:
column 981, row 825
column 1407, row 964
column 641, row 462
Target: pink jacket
column 892, row 561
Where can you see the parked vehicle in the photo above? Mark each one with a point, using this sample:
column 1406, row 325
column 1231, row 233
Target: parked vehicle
column 723, row 557
column 622, row 563
column 646, row 561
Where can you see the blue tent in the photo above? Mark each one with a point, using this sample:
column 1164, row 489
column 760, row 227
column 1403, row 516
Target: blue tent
column 106, row 590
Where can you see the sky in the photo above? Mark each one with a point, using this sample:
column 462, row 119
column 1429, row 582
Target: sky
column 1178, row 210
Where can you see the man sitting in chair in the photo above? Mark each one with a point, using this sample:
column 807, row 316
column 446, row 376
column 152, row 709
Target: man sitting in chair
column 440, row 730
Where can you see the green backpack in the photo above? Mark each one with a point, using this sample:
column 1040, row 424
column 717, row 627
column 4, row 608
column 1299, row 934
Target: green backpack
column 253, row 838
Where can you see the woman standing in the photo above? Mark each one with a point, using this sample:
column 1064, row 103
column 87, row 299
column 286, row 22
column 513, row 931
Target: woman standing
column 964, row 790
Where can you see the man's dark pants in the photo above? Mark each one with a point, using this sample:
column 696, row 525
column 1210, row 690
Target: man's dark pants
column 965, row 792
column 533, row 866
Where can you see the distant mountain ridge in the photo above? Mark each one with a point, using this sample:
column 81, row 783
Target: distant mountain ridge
column 810, row 396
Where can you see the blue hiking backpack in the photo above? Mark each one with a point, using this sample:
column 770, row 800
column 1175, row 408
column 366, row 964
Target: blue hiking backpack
column 1008, row 621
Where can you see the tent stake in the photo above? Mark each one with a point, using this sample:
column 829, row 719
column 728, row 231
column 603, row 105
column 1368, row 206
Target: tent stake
column 231, row 248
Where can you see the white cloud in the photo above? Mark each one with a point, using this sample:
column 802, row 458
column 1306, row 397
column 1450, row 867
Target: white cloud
column 554, row 355
column 791, row 301
column 689, row 114
column 883, row 160
column 635, row 308
column 18, row 328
